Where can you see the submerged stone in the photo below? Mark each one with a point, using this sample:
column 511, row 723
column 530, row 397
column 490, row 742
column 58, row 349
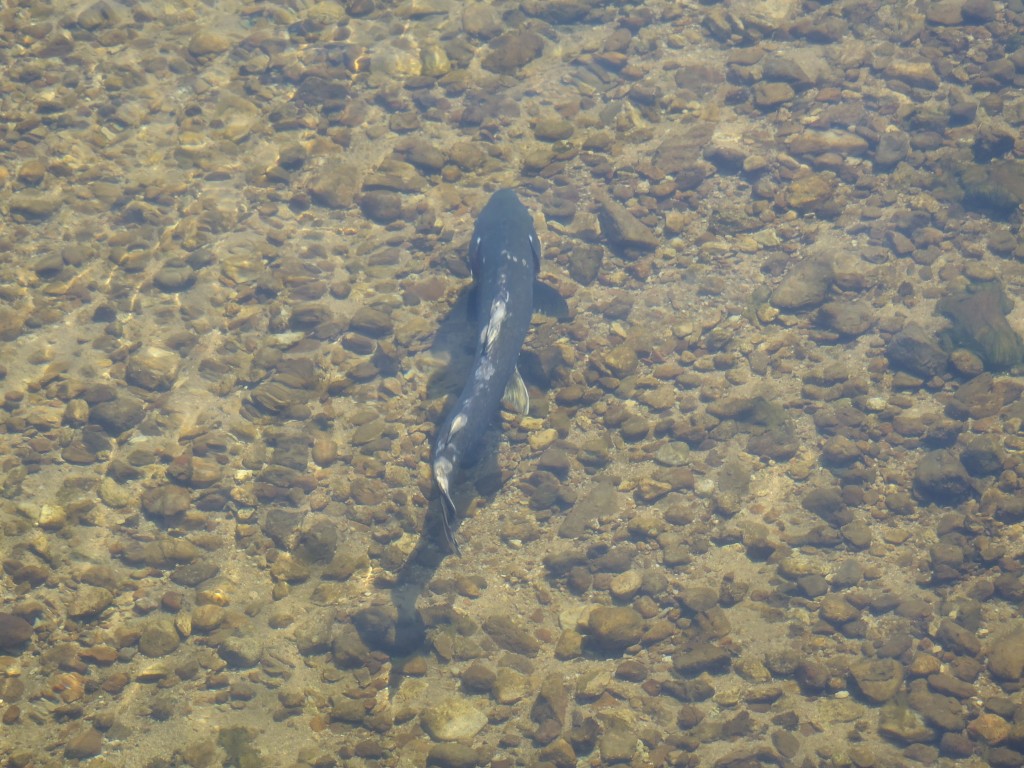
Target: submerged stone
column 453, row 720
column 979, row 323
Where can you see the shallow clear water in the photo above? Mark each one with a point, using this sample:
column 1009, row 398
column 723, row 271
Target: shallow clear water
column 765, row 508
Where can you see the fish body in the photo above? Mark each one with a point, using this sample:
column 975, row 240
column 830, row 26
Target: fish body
column 504, row 256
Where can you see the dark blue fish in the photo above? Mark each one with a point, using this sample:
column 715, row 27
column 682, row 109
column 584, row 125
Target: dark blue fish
column 504, row 256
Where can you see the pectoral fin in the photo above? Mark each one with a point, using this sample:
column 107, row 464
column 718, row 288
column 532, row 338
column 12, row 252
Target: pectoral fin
column 549, row 301
column 516, row 397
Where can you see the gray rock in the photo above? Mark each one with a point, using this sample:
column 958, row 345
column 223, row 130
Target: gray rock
column 83, row 744
column 827, row 503
column 585, row 263
column 175, row 275
column 915, row 350
column 893, row 146
column 599, row 501
column 159, row 637
column 382, row 206
column 978, row 11
column 900, row 722
column 1006, row 655
column 511, row 634
column 846, row 318
column 958, row 638
column 946, row 13
column 453, row 755
column 552, row 702
column 318, row 543
column 373, row 322
column 996, row 188
column 165, row 501
column 481, row 20
column 805, row 286
column 984, row 396
column 552, row 129
column 456, row 719
column 313, row 633
column 243, row 652
column 194, row 574
column 814, row 193
column 207, row 42
column 979, row 322
column 512, row 51
column 333, row 183
column 878, row 679
column 424, row 155
column 944, row 712
column 617, row 743
column 837, row 610
column 703, row 657
column 772, row 95
column 89, row 601
column 815, row 142
column 153, row 368
column 786, row 68
column 849, row 572
column 679, row 154
column 622, row 228
column 983, row 456
column 915, row 72
column 698, row 599
column 35, row 204
column 941, row 478
column 840, row 451
column 14, row 631
column 117, row 416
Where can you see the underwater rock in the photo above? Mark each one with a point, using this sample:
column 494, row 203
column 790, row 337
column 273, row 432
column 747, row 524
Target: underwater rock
column 623, row 229
column 14, row 631
column 84, row 744
column 940, row 477
column 996, row 189
column 979, row 323
column 513, row 50
column 117, row 416
column 614, row 628
column 915, row 351
column 983, row 456
column 159, row 637
column 511, row 635
column 153, row 368
column 878, row 679
column 846, row 318
column 453, row 720
column 1006, row 655
column 805, row 286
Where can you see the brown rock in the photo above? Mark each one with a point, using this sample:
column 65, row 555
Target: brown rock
column 990, row 728
column 14, row 631
column 615, row 628
column 878, row 679
column 83, row 744
column 513, row 50
column 1006, row 655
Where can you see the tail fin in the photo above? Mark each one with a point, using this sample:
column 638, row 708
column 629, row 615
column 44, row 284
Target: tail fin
column 447, row 518
column 447, row 506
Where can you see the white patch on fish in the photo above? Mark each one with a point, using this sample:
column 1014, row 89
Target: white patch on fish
column 457, row 423
column 498, row 313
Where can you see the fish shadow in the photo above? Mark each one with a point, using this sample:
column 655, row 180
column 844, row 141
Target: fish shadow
column 399, row 628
